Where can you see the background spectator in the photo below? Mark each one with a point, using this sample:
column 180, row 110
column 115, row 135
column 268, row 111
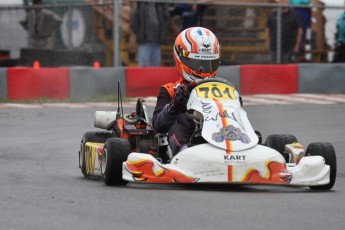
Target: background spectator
column 40, row 24
column 150, row 23
column 306, row 15
column 339, row 55
column 291, row 34
column 191, row 15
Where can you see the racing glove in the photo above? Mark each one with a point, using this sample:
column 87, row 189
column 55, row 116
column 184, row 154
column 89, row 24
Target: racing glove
column 179, row 103
column 172, row 110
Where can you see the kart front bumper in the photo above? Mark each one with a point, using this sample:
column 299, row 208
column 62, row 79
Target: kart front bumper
column 258, row 165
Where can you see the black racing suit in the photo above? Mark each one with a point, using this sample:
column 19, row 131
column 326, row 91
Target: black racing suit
column 179, row 129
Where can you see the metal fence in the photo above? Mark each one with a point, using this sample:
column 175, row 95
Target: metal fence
column 90, row 30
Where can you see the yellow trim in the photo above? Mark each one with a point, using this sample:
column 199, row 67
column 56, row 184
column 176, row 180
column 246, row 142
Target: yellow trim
column 159, row 172
column 90, row 156
column 137, row 161
column 268, row 173
column 139, row 178
column 233, row 171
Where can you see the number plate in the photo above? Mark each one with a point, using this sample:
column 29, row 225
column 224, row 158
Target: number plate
column 215, row 91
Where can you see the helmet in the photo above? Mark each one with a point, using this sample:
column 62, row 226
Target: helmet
column 196, row 53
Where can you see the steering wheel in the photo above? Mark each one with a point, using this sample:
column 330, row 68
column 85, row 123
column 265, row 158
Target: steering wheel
column 134, row 119
column 141, row 110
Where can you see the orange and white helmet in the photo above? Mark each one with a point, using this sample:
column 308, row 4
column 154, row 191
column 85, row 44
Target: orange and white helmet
column 196, row 53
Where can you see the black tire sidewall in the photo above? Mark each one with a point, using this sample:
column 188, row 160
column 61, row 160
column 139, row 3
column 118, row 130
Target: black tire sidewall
column 326, row 150
column 278, row 141
column 117, row 151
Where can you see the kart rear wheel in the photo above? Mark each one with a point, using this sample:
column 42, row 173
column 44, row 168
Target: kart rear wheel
column 115, row 152
column 326, row 150
column 98, row 137
column 278, row 142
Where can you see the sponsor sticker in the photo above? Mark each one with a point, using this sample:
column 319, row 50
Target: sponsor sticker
column 230, row 133
column 235, row 159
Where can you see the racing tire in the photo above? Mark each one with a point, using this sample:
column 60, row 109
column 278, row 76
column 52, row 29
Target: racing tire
column 278, row 142
column 98, row 137
column 115, row 152
column 326, row 150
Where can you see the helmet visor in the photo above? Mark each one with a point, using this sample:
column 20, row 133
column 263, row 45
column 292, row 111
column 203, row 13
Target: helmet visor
column 201, row 65
column 205, row 63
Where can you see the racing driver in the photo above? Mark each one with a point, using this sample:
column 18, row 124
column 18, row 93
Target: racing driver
column 197, row 55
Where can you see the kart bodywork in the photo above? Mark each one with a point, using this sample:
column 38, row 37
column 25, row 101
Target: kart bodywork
column 223, row 149
column 258, row 165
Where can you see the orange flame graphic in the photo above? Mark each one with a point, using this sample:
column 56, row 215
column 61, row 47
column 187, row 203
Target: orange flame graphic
column 276, row 173
column 143, row 171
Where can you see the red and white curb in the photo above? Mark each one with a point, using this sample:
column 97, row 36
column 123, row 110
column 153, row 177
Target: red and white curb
column 258, row 99
column 289, row 99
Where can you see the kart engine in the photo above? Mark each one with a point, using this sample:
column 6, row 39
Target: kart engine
column 144, row 144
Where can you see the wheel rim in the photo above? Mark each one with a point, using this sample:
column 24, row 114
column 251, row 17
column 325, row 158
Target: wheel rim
column 104, row 161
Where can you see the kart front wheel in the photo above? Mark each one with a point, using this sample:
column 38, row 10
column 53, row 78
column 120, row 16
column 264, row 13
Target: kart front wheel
column 98, row 137
column 115, row 152
column 326, row 150
column 278, row 142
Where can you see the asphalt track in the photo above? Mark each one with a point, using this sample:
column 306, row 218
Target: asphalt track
column 41, row 186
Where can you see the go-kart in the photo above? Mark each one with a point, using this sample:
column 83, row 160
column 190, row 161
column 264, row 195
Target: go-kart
column 224, row 147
